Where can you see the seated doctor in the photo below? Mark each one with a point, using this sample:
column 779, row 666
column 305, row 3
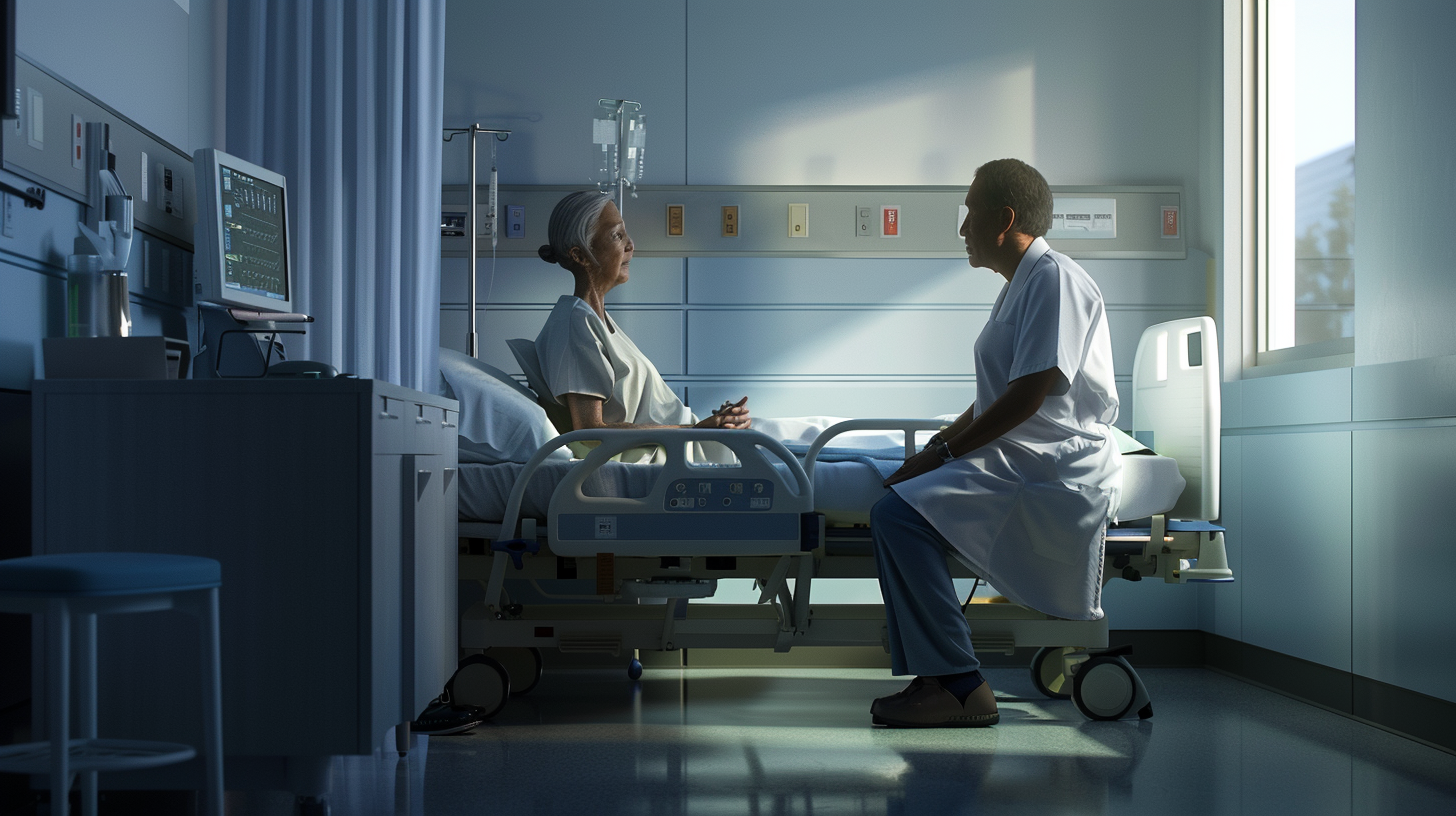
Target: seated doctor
column 1022, row 484
column 589, row 363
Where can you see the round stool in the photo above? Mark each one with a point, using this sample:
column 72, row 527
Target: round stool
column 78, row 587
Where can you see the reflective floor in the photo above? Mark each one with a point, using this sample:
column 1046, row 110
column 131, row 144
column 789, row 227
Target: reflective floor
column 765, row 741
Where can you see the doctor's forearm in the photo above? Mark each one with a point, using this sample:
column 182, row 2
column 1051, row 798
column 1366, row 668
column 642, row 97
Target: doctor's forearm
column 961, row 423
column 1023, row 398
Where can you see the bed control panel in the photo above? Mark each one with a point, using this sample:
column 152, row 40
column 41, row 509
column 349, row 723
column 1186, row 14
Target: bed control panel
column 720, row 495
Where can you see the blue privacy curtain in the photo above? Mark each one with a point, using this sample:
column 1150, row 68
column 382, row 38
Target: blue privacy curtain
column 345, row 98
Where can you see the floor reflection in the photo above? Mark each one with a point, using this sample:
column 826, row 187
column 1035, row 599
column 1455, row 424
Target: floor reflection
column 800, row 742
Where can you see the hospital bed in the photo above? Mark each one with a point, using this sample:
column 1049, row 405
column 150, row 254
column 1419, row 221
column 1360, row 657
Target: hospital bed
column 651, row 542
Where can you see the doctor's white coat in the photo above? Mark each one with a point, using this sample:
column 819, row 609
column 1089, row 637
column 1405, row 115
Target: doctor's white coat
column 1028, row 511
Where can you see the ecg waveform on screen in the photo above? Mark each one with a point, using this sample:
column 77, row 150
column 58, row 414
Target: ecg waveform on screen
column 254, row 240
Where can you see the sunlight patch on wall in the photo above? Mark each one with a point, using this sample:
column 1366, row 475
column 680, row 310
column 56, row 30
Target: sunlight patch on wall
column 933, row 127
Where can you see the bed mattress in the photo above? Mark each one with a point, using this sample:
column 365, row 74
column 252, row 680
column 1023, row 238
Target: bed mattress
column 843, row 491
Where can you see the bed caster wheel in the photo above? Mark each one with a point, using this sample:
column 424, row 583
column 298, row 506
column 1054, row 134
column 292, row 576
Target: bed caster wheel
column 634, row 669
column 522, row 664
column 1107, row 688
column 1048, row 675
column 480, row 681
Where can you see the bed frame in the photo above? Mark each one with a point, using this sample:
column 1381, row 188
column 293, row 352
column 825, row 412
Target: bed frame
column 652, row 555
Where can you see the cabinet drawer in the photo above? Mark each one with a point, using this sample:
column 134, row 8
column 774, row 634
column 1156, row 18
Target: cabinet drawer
column 393, row 422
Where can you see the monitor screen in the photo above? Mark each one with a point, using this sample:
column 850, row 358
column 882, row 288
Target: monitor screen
column 241, row 247
column 254, row 240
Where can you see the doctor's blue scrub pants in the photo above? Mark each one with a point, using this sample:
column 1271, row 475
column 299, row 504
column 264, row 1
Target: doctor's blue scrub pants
column 928, row 633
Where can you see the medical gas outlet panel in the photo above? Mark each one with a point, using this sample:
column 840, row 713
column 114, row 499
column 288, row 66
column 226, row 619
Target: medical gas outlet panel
column 720, row 495
column 1123, row 222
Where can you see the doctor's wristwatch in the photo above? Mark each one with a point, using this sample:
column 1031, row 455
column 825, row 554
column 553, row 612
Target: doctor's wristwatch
column 940, row 447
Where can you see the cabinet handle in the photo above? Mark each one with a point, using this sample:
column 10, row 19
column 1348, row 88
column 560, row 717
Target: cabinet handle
column 447, row 424
column 388, row 415
column 421, row 421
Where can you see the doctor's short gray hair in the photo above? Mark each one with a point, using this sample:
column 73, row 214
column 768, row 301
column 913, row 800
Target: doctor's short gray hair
column 571, row 226
column 1014, row 183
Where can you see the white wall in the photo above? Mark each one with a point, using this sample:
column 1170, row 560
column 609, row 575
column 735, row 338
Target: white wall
column 1405, row 175
column 149, row 60
column 843, row 93
column 153, row 62
column 1336, row 482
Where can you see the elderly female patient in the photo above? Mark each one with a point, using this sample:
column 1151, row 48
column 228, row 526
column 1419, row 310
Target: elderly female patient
column 589, row 364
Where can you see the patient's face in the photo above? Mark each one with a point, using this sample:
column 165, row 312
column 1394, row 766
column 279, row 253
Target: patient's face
column 612, row 247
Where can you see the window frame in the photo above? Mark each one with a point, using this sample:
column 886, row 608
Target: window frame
column 1253, row 65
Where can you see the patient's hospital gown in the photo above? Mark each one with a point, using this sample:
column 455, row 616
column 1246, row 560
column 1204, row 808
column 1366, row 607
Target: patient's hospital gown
column 1028, row 510
column 581, row 353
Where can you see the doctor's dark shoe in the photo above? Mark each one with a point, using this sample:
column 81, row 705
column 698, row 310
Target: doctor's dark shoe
column 439, row 719
column 881, row 701
column 929, row 705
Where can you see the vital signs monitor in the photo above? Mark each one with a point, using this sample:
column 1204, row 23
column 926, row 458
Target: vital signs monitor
column 241, row 236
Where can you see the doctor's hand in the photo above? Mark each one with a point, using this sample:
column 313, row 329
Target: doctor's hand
column 732, row 415
column 921, row 463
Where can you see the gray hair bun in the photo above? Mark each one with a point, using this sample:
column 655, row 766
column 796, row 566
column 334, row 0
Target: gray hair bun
column 572, row 221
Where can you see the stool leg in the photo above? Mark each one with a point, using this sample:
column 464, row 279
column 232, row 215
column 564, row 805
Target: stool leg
column 212, row 702
column 85, row 643
column 58, row 654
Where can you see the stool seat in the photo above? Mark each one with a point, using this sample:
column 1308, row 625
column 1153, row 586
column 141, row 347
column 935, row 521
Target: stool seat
column 95, row 755
column 106, row 574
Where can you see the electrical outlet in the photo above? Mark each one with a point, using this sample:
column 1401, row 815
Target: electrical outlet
column 798, row 220
column 730, row 221
column 8, row 228
column 515, row 220
column 78, row 143
column 675, row 220
column 864, row 221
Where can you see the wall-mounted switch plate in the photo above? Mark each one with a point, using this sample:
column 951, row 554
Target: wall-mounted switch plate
column 675, row 220
column 730, row 221
column 515, row 220
column 798, row 220
column 864, row 221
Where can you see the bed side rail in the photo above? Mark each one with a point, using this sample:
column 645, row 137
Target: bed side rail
column 751, row 506
column 908, row 426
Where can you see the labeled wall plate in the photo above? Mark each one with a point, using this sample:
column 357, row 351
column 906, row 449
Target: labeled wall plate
column 730, row 221
column 798, row 220
column 890, row 221
column 1170, row 226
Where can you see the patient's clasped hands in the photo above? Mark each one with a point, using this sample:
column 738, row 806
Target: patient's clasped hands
column 729, row 415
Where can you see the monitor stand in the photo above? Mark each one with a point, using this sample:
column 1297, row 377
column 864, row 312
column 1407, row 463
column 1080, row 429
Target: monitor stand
column 241, row 342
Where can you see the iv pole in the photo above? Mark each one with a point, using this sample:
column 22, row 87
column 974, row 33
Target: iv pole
column 472, row 338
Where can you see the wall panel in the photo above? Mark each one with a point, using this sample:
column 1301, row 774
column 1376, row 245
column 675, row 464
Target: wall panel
column 658, row 333
column 531, row 281
column 1403, row 559
column 1296, row 545
column 1220, row 605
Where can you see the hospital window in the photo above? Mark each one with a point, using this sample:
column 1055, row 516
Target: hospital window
column 1306, row 176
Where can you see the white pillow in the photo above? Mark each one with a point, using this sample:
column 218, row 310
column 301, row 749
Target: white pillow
column 499, row 419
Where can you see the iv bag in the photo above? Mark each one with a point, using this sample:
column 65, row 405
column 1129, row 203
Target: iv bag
column 615, row 119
